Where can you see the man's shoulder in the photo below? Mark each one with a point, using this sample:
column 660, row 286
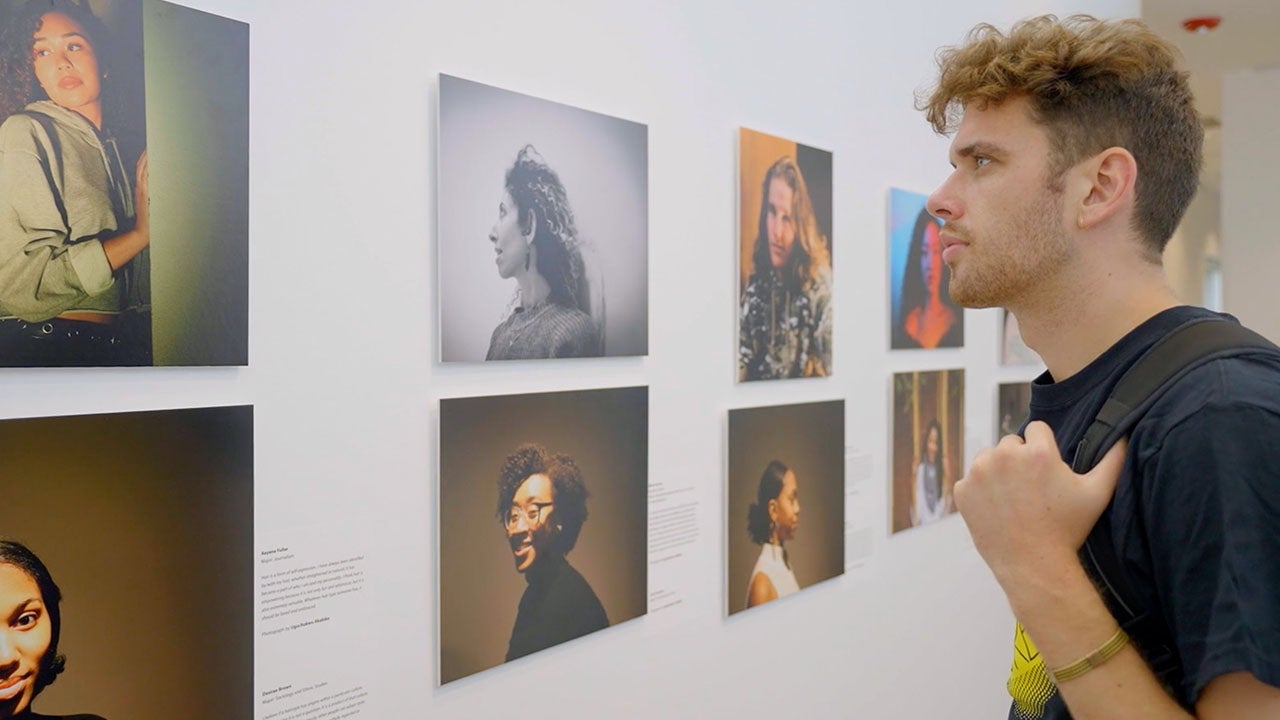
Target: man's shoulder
column 1242, row 383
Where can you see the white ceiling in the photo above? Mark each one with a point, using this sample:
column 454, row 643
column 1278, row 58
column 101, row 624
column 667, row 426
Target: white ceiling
column 1249, row 36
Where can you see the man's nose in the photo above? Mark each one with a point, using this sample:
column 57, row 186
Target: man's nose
column 942, row 202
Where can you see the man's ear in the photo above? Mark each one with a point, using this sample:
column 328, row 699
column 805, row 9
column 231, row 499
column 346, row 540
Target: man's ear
column 1109, row 180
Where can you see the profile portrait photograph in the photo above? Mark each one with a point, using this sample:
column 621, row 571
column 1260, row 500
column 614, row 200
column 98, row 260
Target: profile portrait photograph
column 928, row 445
column 126, row 566
column 785, row 500
column 922, row 313
column 785, row 314
column 543, row 240
column 543, row 522
column 123, row 185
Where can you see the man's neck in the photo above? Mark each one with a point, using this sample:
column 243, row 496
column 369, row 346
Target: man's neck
column 1071, row 329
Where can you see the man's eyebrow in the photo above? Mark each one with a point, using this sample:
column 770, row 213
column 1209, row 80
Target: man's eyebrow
column 979, row 147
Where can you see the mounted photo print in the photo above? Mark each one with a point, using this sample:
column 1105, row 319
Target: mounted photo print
column 543, row 522
column 124, row 185
column 785, row 313
column 928, row 445
column 1013, row 405
column 785, row 501
column 127, row 565
column 543, row 228
column 922, row 314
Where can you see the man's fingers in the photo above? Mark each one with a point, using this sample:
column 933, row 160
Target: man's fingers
column 1038, row 432
column 1106, row 473
column 1011, row 440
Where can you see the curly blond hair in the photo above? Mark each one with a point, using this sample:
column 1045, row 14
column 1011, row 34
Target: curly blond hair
column 1093, row 84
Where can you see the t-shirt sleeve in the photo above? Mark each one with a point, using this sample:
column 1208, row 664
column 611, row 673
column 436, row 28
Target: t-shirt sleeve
column 1212, row 515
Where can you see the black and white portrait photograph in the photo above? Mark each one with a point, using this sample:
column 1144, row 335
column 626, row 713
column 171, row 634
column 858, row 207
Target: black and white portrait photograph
column 543, row 228
column 543, row 522
column 126, row 566
column 124, row 188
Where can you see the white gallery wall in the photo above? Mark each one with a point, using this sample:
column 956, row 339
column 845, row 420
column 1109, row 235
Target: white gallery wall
column 344, row 342
column 1250, row 158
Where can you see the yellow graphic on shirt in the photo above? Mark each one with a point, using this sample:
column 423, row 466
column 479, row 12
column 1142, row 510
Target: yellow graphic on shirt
column 1029, row 683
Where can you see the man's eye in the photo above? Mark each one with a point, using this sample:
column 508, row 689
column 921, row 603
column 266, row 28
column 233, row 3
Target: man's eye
column 981, row 160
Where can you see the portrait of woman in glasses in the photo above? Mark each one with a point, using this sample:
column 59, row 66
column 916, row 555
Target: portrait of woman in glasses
column 542, row 504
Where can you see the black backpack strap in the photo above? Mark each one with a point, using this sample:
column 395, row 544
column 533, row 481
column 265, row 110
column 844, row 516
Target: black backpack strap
column 1163, row 365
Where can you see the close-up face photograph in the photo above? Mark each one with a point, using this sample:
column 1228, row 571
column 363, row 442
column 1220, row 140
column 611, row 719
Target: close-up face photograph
column 28, row 637
column 134, row 551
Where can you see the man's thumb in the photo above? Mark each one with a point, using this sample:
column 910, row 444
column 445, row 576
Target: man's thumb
column 1106, row 473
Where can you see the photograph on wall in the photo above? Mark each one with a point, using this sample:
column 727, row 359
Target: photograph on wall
column 543, row 522
column 784, row 259
column 785, row 501
column 922, row 314
column 1013, row 351
column 928, row 445
column 124, row 185
column 543, row 228
column 126, row 565
column 1013, row 405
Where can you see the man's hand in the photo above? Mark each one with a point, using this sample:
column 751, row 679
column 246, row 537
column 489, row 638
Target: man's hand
column 1026, row 508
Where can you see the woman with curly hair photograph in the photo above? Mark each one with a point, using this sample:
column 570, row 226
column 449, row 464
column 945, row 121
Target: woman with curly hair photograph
column 555, row 198
column 537, row 244
column 565, row 475
column 74, row 224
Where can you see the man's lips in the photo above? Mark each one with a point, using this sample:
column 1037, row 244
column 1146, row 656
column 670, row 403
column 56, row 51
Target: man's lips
column 951, row 246
column 13, row 687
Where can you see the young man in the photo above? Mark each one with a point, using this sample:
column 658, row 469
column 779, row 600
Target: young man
column 1076, row 150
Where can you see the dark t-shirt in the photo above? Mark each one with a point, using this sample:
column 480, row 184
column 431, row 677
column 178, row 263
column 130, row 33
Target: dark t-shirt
column 557, row 606
column 1196, row 512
